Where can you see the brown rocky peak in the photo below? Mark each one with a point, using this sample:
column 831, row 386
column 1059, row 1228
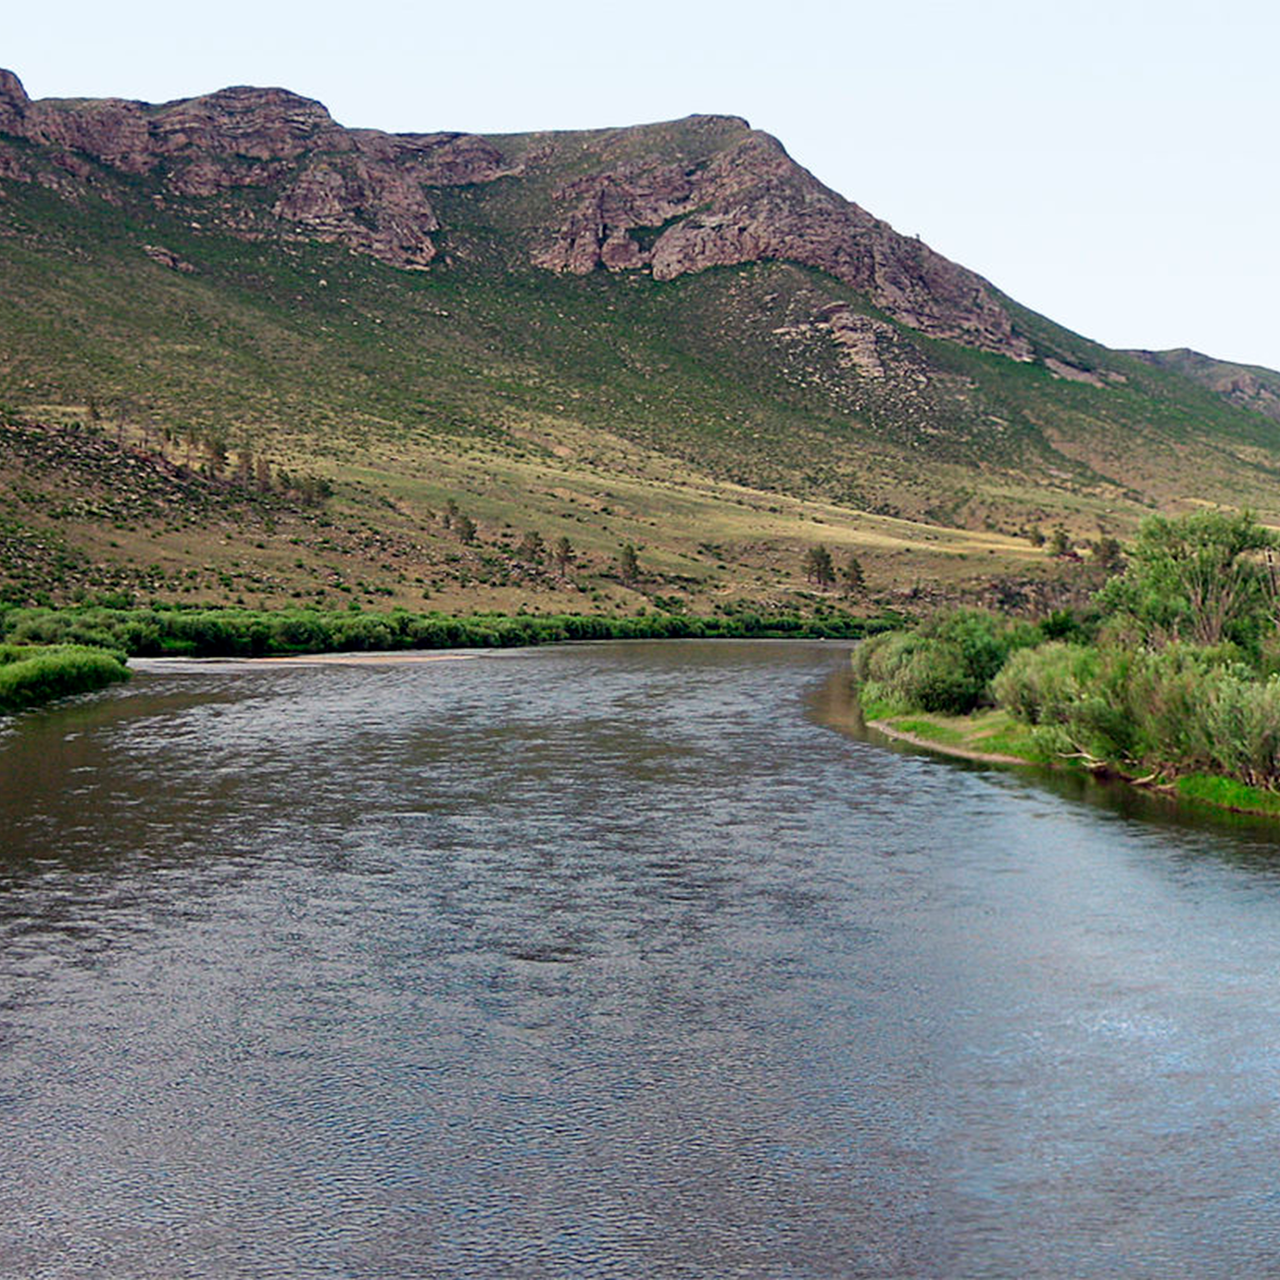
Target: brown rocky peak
column 11, row 89
column 746, row 200
column 362, row 188
column 13, row 99
column 262, row 124
column 717, row 120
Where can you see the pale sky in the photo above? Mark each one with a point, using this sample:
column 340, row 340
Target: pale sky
column 1111, row 165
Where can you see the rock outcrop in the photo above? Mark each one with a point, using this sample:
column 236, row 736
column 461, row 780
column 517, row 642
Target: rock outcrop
column 732, row 196
column 13, row 101
column 359, row 187
column 751, row 202
column 1245, row 386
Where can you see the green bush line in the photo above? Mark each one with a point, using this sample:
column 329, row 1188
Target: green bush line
column 946, row 665
column 1174, row 682
column 31, row 675
column 230, row 632
column 1195, row 719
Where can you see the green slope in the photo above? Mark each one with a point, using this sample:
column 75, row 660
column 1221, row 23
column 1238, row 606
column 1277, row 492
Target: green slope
column 706, row 411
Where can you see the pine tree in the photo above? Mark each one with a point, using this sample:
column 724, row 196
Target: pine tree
column 818, row 567
column 531, row 547
column 854, row 579
column 628, row 564
column 215, row 449
column 564, row 555
column 1107, row 553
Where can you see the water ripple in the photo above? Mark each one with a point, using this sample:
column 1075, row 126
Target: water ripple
column 609, row 962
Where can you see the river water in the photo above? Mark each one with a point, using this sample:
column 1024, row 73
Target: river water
column 616, row 960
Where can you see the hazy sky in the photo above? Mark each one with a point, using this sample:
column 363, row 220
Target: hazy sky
column 1112, row 165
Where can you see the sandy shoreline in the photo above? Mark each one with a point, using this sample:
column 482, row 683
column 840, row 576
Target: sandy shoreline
column 946, row 749
column 299, row 660
column 360, row 659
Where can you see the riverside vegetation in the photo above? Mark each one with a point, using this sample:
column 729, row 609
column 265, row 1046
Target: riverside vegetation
column 1171, row 679
column 52, row 653
column 33, row 674
column 231, row 632
column 48, row 653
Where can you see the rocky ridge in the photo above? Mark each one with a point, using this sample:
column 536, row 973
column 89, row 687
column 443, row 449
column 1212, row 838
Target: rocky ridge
column 751, row 202
column 358, row 187
column 741, row 199
column 1245, row 386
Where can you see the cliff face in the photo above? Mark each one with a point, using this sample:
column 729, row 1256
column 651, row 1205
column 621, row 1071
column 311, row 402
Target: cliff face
column 734, row 197
column 750, row 202
column 358, row 187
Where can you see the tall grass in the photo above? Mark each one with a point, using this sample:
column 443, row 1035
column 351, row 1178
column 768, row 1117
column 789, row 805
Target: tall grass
column 31, row 675
column 252, row 633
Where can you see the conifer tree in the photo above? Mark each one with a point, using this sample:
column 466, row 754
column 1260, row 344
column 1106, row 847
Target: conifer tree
column 854, row 579
column 818, row 567
column 531, row 547
column 628, row 564
column 564, row 555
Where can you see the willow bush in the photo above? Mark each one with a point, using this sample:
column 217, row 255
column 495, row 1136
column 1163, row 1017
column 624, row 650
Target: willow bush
column 30, row 676
column 1180, row 709
column 946, row 666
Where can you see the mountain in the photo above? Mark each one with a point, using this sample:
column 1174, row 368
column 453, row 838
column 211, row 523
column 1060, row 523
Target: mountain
column 246, row 352
column 673, row 199
column 1247, row 386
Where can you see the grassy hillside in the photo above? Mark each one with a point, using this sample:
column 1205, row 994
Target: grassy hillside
column 191, row 416
column 1246, row 386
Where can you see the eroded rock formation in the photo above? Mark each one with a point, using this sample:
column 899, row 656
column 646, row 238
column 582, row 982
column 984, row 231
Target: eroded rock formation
column 733, row 196
column 752, row 202
column 359, row 187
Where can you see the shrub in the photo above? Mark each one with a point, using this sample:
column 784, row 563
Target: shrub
column 946, row 667
column 1240, row 728
column 1174, row 710
column 41, row 675
column 1041, row 685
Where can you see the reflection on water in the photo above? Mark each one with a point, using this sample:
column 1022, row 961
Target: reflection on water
column 611, row 961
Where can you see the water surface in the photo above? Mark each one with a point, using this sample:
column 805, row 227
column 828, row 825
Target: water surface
column 615, row 960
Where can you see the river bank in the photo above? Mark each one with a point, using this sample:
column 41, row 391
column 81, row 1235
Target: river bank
column 993, row 736
column 932, row 733
column 178, row 631
column 31, row 675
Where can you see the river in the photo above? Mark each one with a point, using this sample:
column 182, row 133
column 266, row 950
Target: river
column 614, row 960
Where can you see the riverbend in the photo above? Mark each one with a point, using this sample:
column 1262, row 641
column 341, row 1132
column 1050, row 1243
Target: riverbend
column 612, row 960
